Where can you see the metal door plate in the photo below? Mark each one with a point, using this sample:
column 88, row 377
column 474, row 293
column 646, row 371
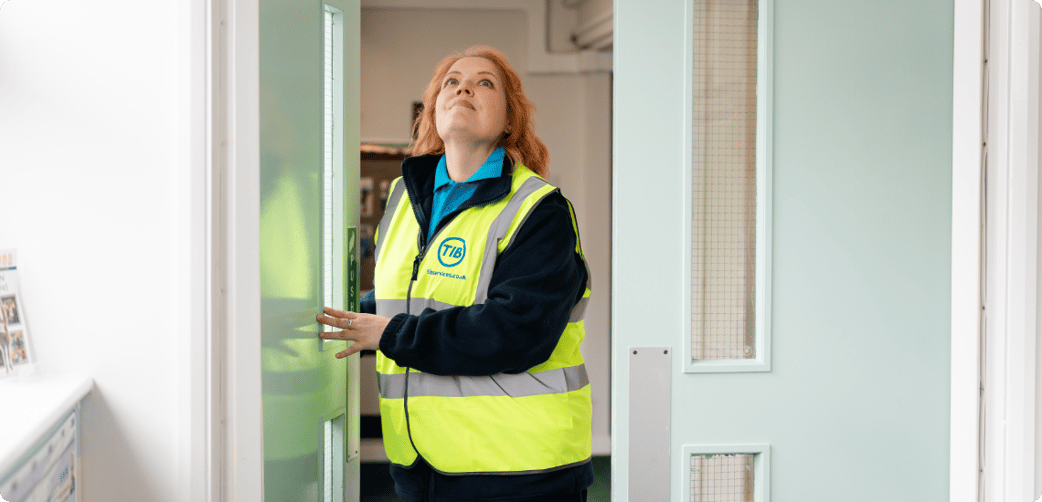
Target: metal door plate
column 650, row 373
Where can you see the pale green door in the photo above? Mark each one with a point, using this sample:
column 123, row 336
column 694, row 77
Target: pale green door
column 781, row 250
column 309, row 82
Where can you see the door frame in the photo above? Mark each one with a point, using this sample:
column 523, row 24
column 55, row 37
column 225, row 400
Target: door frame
column 1009, row 447
column 200, row 410
column 220, row 430
column 242, row 471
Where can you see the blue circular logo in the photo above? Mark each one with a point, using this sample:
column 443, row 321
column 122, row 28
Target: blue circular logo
column 451, row 251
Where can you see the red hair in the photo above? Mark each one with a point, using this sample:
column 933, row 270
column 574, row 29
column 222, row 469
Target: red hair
column 521, row 145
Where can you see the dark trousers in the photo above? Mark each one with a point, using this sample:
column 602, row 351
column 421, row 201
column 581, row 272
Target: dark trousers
column 565, row 497
column 560, row 497
column 421, row 483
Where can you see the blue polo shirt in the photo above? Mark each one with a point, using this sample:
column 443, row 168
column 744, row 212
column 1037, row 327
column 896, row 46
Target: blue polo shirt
column 449, row 195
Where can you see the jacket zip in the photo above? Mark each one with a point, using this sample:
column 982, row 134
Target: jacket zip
column 408, row 300
column 421, row 221
column 416, row 266
column 445, row 220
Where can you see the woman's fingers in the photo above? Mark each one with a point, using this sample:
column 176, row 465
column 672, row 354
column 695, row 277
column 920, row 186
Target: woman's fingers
column 363, row 329
column 332, row 321
column 344, row 335
column 348, row 351
column 341, row 319
column 337, row 335
column 338, row 313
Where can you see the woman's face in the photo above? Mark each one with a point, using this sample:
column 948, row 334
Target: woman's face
column 472, row 104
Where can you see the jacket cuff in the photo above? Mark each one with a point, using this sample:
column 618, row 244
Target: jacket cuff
column 387, row 339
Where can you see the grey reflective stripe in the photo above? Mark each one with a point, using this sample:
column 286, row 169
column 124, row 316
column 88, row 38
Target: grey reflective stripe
column 556, row 381
column 390, row 308
column 498, row 229
column 579, row 310
column 385, row 222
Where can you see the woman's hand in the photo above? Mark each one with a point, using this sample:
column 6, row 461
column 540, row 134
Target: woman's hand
column 363, row 329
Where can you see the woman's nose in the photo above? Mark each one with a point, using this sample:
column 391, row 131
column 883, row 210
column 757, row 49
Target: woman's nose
column 464, row 89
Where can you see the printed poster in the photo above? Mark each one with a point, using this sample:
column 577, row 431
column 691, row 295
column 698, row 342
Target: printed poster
column 14, row 335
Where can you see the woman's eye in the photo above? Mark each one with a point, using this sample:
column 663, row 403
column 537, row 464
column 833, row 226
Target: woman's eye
column 486, row 83
column 451, row 81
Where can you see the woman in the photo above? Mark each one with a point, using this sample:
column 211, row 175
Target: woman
column 477, row 305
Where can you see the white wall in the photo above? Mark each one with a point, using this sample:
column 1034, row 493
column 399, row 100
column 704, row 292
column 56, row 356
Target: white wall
column 401, row 47
column 89, row 149
column 560, row 26
column 1038, row 261
column 592, row 10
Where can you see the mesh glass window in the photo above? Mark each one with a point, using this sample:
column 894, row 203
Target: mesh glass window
column 333, row 154
column 722, row 478
column 724, row 191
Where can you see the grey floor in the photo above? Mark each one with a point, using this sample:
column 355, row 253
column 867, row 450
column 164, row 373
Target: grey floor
column 378, row 487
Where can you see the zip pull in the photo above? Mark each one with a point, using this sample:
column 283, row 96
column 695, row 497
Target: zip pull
column 416, row 266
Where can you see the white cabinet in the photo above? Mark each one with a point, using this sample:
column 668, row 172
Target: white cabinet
column 40, row 439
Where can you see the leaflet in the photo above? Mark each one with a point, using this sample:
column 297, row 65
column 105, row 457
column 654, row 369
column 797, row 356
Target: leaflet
column 14, row 334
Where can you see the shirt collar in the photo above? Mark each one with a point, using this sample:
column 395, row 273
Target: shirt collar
column 492, row 168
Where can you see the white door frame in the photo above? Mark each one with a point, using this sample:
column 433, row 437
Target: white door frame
column 243, row 469
column 220, row 427
column 994, row 454
column 200, row 402
column 1011, row 252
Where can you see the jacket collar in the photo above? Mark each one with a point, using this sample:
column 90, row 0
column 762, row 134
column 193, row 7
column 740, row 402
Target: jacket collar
column 491, row 168
column 418, row 175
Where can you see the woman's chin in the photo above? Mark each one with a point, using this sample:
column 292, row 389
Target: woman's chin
column 464, row 136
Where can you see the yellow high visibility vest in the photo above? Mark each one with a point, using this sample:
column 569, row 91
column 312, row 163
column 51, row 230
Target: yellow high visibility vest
column 529, row 422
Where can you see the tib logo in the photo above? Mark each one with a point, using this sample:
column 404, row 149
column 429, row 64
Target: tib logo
column 451, row 251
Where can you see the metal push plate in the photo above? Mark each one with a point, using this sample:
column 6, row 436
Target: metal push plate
column 649, row 423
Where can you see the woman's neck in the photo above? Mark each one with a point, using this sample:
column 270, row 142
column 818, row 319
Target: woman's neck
column 462, row 159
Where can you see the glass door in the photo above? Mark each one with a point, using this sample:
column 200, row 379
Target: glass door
column 308, row 221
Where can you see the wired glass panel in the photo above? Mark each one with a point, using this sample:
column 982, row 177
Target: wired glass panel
column 332, row 60
column 327, row 230
column 724, row 180
column 722, row 478
column 333, row 460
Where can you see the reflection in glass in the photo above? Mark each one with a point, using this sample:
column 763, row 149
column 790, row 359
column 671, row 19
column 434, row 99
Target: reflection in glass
column 303, row 385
